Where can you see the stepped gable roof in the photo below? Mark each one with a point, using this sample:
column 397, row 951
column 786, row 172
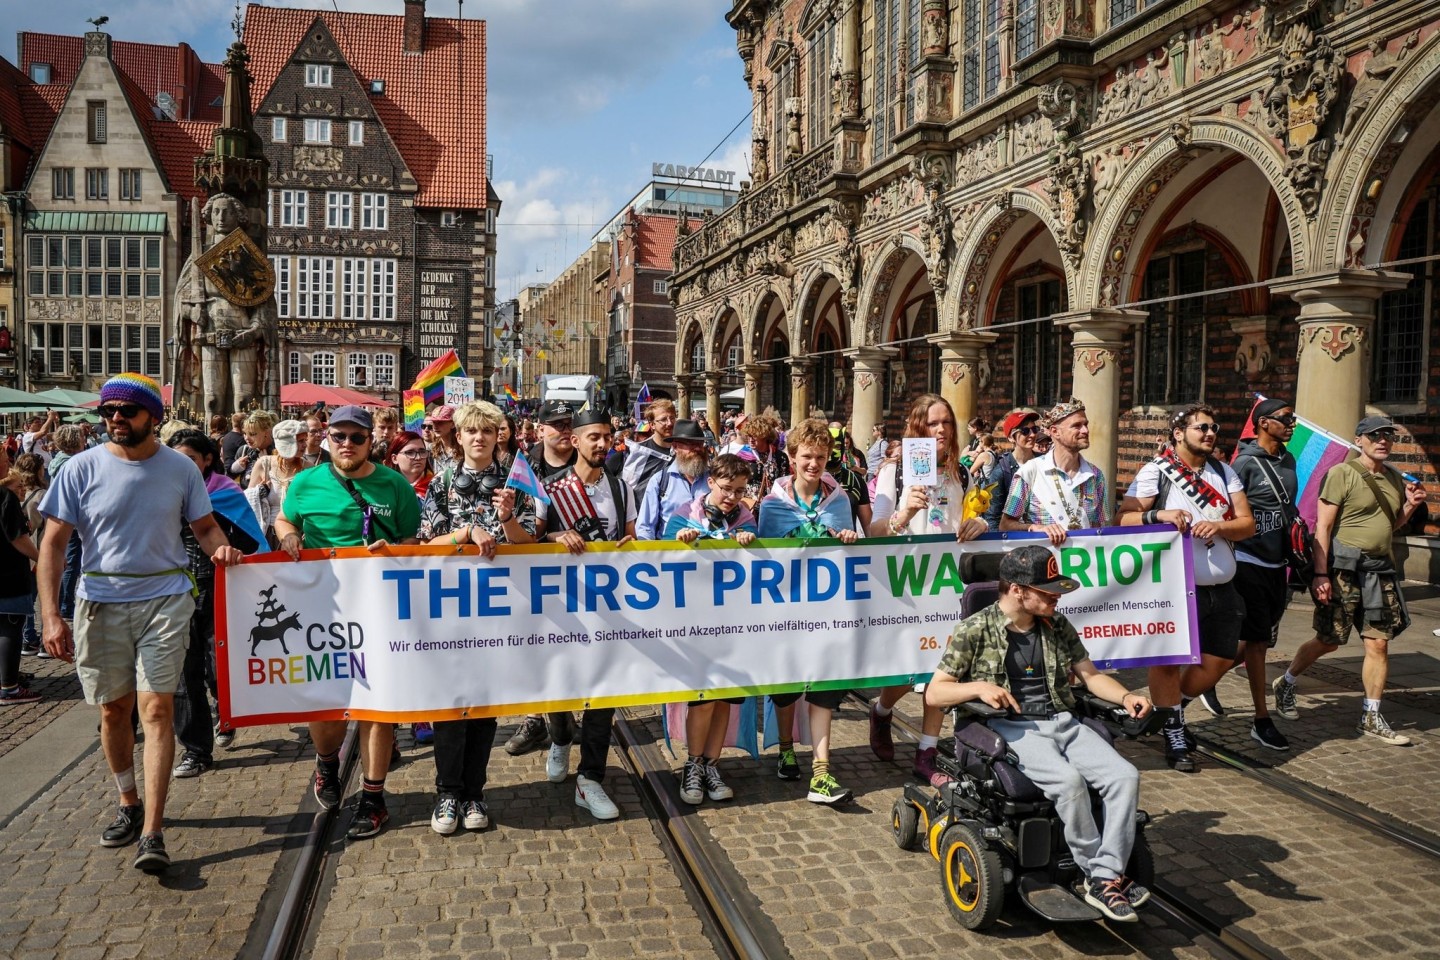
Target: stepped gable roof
column 655, row 239
column 438, row 128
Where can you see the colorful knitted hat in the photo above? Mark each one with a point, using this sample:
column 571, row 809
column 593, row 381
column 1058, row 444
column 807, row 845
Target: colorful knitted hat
column 1062, row 410
column 134, row 388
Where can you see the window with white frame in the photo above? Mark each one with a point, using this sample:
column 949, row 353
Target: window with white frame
column 305, row 288
column 294, row 208
column 129, row 184
column 97, row 183
column 282, row 287
column 317, row 131
column 660, row 287
column 338, row 209
column 93, row 266
column 374, row 211
column 315, row 288
column 62, row 183
column 383, row 365
column 448, row 218
column 294, row 367
column 489, row 271
column 98, row 349
column 277, row 130
column 322, row 369
column 382, row 289
column 357, row 132
column 357, row 369
column 317, row 75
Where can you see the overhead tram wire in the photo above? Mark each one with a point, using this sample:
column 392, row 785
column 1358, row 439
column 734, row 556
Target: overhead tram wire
column 1135, row 304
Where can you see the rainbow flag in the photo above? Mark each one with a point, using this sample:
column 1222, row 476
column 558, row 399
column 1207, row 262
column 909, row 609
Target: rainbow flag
column 522, row 477
column 432, row 379
column 510, row 392
column 1315, row 450
column 414, row 401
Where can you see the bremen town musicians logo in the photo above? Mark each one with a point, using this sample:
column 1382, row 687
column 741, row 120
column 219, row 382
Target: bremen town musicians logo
column 332, row 651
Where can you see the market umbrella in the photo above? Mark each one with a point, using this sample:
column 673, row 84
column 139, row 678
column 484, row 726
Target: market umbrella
column 362, row 399
column 15, row 398
column 306, row 394
column 61, row 397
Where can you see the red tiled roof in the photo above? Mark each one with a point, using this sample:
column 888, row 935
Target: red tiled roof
column 41, row 105
column 438, row 129
column 655, row 239
column 176, row 146
column 12, row 115
column 154, row 68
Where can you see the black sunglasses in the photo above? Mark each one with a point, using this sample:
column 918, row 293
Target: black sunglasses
column 1206, row 427
column 1030, row 431
column 1375, row 436
column 112, row 410
column 1286, row 421
column 357, row 438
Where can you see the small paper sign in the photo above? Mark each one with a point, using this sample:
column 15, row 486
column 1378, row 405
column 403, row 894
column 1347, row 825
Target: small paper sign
column 414, row 401
column 459, row 391
column 917, row 456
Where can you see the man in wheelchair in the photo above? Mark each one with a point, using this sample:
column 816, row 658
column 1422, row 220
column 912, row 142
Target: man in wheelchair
column 1017, row 655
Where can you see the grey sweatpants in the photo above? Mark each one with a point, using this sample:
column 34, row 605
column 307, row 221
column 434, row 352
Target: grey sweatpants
column 1061, row 756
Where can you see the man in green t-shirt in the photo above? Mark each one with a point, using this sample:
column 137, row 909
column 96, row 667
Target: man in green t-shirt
column 1362, row 503
column 350, row 502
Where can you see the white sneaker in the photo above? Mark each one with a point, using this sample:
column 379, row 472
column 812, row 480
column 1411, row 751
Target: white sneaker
column 474, row 815
column 557, row 762
column 592, row 797
column 444, row 819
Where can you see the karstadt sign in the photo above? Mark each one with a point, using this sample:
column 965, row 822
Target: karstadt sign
column 681, row 172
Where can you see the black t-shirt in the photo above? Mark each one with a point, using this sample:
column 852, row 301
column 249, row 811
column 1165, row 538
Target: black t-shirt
column 15, row 579
column 229, row 444
column 542, row 467
column 1025, row 667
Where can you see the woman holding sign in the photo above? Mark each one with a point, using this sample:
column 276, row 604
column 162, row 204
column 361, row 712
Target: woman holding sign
column 923, row 493
column 470, row 503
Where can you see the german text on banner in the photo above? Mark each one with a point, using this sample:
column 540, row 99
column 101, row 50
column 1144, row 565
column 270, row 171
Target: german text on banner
column 427, row 633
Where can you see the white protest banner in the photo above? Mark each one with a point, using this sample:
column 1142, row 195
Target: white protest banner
column 459, row 391
column 430, row 633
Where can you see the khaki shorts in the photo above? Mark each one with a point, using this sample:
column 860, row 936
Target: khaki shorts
column 124, row 647
column 1346, row 609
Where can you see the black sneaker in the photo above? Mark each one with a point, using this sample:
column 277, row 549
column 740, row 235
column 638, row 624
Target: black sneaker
column 190, row 765
column 152, row 857
column 1108, row 896
column 29, row 650
column 1177, row 748
column 787, row 767
column 1265, row 733
column 529, row 736
column 370, row 818
column 125, row 827
column 326, row 784
column 224, row 739
column 1210, row 700
column 1137, row 894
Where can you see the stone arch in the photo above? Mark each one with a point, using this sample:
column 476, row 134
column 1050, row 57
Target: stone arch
column 810, row 304
column 1410, row 96
column 964, row 300
column 689, row 328
column 726, row 323
column 1112, row 250
column 757, row 309
column 867, row 326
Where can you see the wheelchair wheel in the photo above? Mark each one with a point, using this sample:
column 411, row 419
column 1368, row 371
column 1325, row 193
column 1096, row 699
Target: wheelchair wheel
column 972, row 876
column 905, row 821
column 1141, row 867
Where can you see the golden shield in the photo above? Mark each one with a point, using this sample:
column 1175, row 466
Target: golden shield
column 239, row 269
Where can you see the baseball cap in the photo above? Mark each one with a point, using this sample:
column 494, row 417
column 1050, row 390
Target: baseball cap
column 1016, row 420
column 552, row 410
column 350, row 414
column 1035, row 566
column 286, row 437
column 1371, row 424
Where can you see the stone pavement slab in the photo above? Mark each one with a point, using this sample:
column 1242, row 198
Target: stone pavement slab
column 55, row 680
column 545, row 880
column 64, row 896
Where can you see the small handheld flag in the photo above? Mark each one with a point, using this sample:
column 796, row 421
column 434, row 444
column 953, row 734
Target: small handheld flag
column 432, row 378
column 414, row 401
column 522, row 477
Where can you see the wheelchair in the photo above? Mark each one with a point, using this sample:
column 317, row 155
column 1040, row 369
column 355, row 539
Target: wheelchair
column 992, row 830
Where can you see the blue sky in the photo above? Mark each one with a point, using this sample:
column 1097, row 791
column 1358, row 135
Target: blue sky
column 584, row 96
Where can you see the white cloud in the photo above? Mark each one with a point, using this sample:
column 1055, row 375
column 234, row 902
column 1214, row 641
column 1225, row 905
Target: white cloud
column 543, row 227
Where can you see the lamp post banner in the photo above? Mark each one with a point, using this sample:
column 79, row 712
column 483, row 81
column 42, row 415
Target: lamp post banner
column 437, row 633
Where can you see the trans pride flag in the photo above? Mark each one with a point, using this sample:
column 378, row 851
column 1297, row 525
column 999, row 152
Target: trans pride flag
column 432, row 378
column 522, row 477
column 1315, row 450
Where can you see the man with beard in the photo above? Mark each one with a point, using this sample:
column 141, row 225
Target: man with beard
column 683, row 479
column 1022, row 427
column 1186, row 486
column 648, row 458
column 556, row 451
column 132, row 622
column 350, row 503
column 1061, row 490
column 587, row 504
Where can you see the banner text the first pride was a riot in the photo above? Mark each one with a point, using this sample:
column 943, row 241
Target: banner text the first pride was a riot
column 426, row 633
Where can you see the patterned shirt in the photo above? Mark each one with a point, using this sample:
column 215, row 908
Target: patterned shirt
column 1043, row 493
column 446, row 510
column 977, row 646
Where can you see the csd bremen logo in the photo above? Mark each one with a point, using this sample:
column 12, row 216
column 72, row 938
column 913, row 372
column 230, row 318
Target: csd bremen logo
column 334, row 649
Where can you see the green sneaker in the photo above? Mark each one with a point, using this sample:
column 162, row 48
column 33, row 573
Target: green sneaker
column 788, row 768
column 826, row 789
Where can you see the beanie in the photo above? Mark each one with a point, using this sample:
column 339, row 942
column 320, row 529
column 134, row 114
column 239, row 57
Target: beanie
column 134, row 388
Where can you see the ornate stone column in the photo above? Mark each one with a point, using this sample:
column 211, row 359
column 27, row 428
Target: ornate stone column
column 960, row 369
column 754, row 372
column 1100, row 335
column 684, row 383
column 1337, row 315
column 799, row 389
column 712, row 399
column 870, row 366
column 850, row 123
